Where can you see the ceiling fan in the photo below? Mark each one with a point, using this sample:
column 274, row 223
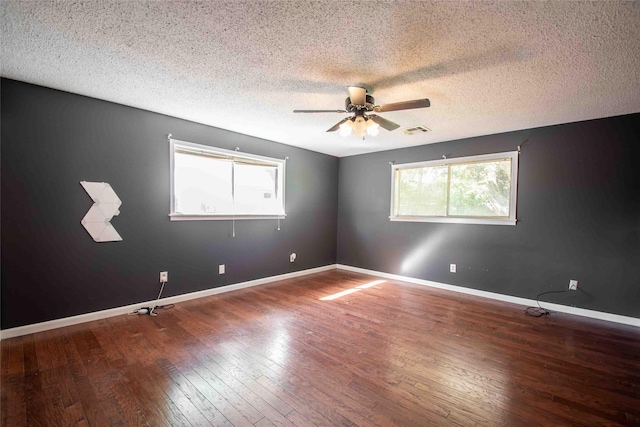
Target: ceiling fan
column 363, row 123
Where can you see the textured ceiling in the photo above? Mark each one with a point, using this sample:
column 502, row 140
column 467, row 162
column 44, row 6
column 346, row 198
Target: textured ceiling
column 487, row 67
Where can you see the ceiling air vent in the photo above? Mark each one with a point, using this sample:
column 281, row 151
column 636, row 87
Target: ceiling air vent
column 416, row 130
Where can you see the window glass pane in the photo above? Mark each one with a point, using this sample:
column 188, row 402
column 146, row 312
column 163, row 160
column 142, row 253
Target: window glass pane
column 480, row 189
column 255, row 189
column 213, row 183
column 421, row 191
column 201, row 184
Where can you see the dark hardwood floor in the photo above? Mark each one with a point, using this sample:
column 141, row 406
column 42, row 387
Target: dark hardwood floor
column 385, row 354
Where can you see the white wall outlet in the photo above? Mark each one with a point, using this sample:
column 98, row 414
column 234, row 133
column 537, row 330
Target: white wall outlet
column 164, row 276
column 221, row 269
column 292, row 257
column 573, row 285
column 452, row 268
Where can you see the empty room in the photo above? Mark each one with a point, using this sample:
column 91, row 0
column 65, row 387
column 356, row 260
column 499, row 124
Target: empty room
column 320, row 213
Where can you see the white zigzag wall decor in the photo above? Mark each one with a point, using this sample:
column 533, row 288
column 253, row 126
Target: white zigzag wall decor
column 106, row 205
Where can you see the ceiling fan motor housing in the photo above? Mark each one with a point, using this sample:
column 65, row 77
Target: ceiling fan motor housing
column 369, row 104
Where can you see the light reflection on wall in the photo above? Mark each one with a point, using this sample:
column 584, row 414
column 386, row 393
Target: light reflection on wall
column 420, row 254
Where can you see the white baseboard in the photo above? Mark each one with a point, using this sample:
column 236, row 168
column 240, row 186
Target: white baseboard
column 633, row 321
column 97, row 315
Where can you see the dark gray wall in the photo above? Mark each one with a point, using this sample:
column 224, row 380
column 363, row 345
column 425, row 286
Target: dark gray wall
column 578, row 212
column 51, row 268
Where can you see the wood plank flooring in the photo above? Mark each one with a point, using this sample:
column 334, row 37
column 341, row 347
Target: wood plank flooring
column 376, row 353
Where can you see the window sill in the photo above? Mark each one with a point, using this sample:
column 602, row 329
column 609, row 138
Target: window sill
column 210, row 217
column 454, row 220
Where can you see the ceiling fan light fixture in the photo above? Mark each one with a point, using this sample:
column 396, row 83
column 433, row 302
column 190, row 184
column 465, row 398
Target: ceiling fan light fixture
column 360, row 126
column 372, row 128
column 346, row 128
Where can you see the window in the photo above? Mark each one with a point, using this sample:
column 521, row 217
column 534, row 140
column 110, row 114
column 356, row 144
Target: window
column 212, row 183
column 474, row 190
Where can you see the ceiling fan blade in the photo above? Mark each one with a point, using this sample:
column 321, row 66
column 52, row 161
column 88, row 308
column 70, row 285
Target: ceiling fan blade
column 357, row 95
column 406, row 105
column 319, row 111
column 387, row 124
column 337, row 125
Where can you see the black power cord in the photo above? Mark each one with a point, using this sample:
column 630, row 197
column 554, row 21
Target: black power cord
column 151, row 311
column 539, row 311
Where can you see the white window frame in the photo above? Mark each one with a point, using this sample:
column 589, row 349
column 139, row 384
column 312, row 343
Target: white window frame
column 177, row 216
column 510, row 220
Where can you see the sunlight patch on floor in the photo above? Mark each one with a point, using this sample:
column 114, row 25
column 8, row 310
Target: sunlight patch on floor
column 352, row 290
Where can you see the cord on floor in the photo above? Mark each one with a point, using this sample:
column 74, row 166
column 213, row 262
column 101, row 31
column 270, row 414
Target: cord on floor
column 539, row 311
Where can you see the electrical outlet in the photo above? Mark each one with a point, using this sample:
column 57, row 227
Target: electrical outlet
column 573, row 285
column 452, row 268
column 164, row 276
column 221, row 269
column 292, row 257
